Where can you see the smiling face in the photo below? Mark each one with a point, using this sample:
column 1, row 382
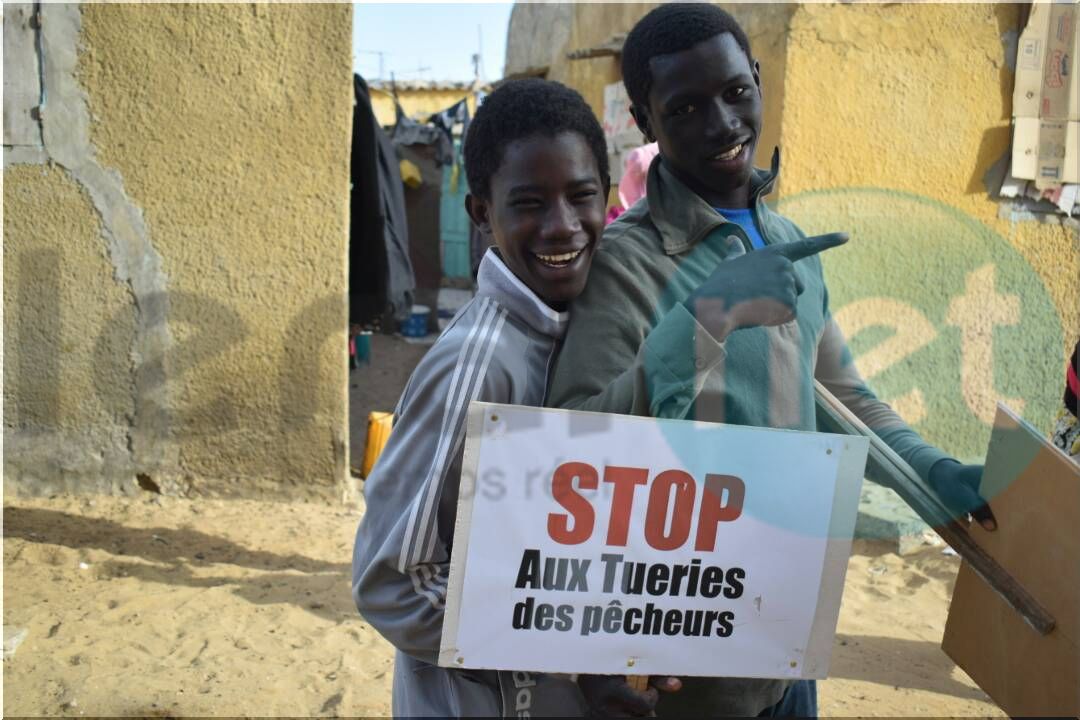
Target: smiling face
column 704, row 111
column 546, row 213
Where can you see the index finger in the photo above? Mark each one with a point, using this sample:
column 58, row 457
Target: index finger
column 985, row 517
column 805, row 248
column 666, row 683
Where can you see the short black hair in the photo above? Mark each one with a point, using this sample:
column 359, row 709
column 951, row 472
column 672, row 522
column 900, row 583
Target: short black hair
column 518, row 109
column 668, row 29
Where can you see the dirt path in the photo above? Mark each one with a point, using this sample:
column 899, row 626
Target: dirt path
column 163, row 606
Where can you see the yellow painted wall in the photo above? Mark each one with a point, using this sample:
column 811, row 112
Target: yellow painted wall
column 914, row 102
column 228, row 127
column 417, row 104
column 67, row 336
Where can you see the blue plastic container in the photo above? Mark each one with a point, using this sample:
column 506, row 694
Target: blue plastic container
column 417, row 324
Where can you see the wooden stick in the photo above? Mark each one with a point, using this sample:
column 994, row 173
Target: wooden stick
column 834, row 416
column 639, row 683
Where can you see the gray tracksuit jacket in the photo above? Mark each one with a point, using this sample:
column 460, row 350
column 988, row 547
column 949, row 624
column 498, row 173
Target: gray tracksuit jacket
column 498, row 348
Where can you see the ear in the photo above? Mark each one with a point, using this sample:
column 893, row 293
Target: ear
column 641, row 117
column 480, row 212
column 757, row 76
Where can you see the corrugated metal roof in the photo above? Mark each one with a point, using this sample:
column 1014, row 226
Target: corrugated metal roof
column 612, row 46
column 420, row 85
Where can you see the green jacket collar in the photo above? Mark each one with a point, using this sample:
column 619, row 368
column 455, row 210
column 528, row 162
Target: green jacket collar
column 680, row 214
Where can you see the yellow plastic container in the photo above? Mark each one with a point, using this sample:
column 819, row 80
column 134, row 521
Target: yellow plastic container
column 378, row 432
column 410, row 174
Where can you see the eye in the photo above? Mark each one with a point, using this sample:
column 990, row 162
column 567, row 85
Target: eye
column 738, row 91
column 525, row 203
column 584, row 195
column 684, row 109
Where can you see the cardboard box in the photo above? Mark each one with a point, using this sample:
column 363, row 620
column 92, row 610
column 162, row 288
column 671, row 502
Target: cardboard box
column 1030, row 59
column 1034, row 491
column 1061, row 92
column 1046, row 151
column 1047, row 63
column 1071, row 165
column 1046, row 95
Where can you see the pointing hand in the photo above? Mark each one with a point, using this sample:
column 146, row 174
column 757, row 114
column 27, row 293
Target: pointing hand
column 759, row 288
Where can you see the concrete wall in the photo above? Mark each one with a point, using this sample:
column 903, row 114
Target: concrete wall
column 539, row 31
column 889, row 116
column 175, row 253
column 893, row 115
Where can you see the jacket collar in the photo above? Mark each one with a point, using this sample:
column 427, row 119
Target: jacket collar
column 680, row 214
column 498, row 282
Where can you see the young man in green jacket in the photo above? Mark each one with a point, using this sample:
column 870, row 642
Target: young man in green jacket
column 705, row 304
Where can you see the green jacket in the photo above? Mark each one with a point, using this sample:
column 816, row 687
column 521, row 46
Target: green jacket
column 633, row 348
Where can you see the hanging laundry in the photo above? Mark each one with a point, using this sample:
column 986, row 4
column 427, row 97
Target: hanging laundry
column 635, row 171
column 380, row 272
column 446, row 119
column 409, row 132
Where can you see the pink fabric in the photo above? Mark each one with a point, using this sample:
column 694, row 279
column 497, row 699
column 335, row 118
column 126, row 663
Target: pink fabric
column 613, row 212
column 635, row 171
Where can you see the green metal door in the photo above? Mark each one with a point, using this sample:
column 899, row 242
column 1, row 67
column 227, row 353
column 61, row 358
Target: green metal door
column 454, row 221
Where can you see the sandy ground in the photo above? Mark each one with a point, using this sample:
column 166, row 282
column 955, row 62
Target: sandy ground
column 164, row 606
column 172, row 607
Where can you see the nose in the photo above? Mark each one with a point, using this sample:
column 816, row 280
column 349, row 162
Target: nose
column 722, row 118
column 562, row 222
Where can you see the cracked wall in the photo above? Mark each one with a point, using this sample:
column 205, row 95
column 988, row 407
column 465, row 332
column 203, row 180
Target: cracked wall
column 203, row 149
column 68, row 389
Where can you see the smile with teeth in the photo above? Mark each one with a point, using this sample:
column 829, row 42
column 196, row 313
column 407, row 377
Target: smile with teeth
column 730, row 154
column 560, row 260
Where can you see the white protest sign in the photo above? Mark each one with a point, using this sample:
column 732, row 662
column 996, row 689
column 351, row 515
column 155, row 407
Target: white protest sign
column 614, row 544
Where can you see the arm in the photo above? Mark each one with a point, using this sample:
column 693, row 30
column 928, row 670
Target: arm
column 957, row 485
column 836, row 370
column 402, row 553
column 619, row 357
column 616, row 360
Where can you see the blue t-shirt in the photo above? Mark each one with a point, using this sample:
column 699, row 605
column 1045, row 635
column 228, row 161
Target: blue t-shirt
column 745, row 219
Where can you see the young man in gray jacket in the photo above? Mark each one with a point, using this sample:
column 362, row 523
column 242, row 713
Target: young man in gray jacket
column 705, row 304
column 537, row 169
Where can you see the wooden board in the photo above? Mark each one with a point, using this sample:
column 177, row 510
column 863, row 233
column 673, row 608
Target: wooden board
column 1034, row 490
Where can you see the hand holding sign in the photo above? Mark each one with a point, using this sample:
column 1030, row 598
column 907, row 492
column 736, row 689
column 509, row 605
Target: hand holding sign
column 759, row 288
column 619, row 696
